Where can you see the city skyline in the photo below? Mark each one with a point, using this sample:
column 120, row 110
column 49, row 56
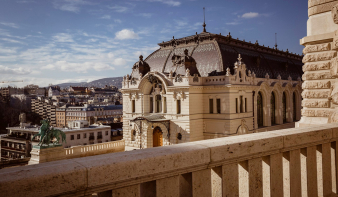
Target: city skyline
column 45, row 42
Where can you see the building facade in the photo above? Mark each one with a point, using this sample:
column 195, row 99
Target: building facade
column 45, row 108
column 209, row 86
column 90, row 113
column 18, row 143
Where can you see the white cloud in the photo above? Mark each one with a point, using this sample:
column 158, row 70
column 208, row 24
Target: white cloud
column 102, row 66
column 119, row 62
column 106, row 16
column 233, row 23
column 14, row 71
column 250, row 15
column 145, row 15
column 126, row 34
column 117, row 21
column 70, row 5
column 48, row 67
column 11, row 40
column 118, row 8
column 63, row 37
column 168, row 2
column 13, row 25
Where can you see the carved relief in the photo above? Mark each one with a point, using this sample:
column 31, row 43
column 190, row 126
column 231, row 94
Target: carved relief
column 316, row 66
column 316, row 104
column 315, row 48
column 334, row 13
column 317, row 75
column 316, row 85
column 316, row 113
column 315, row 94
column 179, row 95
column 319, row 57
column 334, row 67
column 335, row 43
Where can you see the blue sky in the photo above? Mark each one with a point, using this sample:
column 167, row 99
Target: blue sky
column 54, row 41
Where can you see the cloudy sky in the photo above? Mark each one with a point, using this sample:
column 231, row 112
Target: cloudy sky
column 55, row 41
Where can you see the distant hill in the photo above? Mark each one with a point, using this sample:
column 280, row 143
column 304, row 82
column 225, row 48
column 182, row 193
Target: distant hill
column 100, row 83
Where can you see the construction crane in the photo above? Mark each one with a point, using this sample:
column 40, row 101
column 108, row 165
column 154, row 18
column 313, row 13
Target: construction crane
column 10, row 81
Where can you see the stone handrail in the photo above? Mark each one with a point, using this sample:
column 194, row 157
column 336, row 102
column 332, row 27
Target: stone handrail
column 94, row 149
column 291, row 162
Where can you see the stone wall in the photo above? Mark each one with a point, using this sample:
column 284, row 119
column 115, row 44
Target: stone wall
column 291, row 162
column 320, row 63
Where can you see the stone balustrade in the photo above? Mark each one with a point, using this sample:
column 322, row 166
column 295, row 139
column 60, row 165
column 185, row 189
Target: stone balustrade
column 94, row 149
column 291, row 162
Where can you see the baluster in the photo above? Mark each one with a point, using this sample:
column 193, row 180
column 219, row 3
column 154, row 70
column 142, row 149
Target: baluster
column 256, row 177
column 311, row 169
column 295, row 173
column 207, row 182
column 167, row 187
column 276, row 167
column 327, row 175
column 236, row 179
column 132, row 191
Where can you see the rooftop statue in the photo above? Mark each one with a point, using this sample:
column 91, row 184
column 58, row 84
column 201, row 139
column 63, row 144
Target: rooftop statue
column 48, row 133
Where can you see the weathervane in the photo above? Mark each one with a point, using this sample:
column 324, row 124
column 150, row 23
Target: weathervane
column 204, row 25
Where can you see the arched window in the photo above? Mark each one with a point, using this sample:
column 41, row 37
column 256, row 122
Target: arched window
column 273, row 108
column 284, row 107
column 259, row 109
column 294, row 107
column 158, row 103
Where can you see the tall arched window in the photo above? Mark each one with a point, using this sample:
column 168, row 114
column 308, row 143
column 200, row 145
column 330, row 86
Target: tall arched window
column 273, row 108
column 259, row 109
column 284, row 107
column 158, row 104
column 294, row 107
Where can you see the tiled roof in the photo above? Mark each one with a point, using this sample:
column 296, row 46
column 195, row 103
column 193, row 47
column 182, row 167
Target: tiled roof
column 216, row 52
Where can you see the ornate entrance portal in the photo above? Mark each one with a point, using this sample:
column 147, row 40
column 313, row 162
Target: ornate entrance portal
column 157, row 137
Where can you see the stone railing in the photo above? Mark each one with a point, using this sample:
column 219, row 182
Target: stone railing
column 290, row 162
column 94, row 149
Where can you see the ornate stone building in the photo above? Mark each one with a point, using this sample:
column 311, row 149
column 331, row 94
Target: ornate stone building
column 208, row 86
column 320, row 64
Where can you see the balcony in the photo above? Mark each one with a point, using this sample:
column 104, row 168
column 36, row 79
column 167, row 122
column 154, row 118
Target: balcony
column 290, row 162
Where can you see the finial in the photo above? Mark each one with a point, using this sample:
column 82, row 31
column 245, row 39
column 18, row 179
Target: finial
column 204, row 25
column 173, row 37
column 239, row 59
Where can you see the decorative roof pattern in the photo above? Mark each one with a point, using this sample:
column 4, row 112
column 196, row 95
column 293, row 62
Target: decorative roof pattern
column 213, row 52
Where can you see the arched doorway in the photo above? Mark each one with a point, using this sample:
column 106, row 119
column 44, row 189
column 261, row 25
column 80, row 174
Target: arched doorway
column 273, row 108
column 284, row 107
column 259, row 109
column 157, row 137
